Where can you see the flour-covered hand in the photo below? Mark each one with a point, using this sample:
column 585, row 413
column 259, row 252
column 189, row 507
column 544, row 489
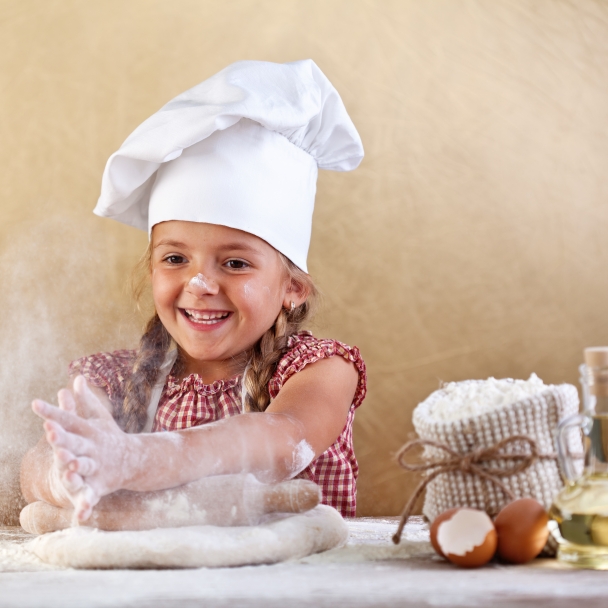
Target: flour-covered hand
column 90, row 450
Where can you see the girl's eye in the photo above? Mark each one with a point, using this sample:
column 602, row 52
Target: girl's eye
column 237, row 264
column 174, row 259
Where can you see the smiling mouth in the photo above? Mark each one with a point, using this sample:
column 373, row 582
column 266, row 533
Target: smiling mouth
column 205, row 318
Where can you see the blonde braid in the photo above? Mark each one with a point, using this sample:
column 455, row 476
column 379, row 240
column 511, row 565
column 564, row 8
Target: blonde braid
column 153, row 346
column 271, row 347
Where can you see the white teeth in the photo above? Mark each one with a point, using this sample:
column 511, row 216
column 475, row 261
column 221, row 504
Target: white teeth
column 205, row 318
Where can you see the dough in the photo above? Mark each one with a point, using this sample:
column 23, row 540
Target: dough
column 282, row 538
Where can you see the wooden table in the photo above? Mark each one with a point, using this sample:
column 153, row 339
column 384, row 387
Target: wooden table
column 369, row 571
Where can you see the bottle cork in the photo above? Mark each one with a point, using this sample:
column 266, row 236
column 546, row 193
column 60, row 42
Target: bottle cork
column 596, row 356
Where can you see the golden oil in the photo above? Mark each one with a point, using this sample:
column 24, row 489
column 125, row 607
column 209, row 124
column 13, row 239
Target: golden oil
column 581, row 512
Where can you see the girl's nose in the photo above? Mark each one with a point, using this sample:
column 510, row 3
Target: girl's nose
column 200, row 285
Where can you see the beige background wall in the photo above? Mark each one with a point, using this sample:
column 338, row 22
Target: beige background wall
column 471, row 242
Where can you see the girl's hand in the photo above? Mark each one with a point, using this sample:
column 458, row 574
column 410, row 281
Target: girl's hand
column 90, row 450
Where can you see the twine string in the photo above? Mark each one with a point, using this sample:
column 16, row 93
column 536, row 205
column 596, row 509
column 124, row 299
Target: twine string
column 476, row 463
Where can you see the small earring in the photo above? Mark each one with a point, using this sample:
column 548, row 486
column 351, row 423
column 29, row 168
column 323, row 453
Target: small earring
column 293, row 306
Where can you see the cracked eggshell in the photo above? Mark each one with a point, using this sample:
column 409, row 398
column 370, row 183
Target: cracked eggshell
column 433, row 530
column 522, row 530
column 464, row 536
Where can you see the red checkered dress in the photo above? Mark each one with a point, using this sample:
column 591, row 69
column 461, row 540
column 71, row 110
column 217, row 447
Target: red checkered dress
column 190, row 402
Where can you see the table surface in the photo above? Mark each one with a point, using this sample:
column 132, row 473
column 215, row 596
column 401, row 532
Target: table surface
column 368, row 571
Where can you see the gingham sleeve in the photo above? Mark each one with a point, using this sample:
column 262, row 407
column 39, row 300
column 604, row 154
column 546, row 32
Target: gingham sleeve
column 108, row 371
column 304, row 348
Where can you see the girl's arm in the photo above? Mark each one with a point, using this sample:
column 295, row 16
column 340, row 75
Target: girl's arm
column 96, row 458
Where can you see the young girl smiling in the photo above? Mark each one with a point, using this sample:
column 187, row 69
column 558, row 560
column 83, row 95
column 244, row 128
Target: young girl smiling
column 224, row 179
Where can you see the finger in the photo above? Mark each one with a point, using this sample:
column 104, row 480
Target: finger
column 58, row 437
column 73, row 482
column 83, row 508
column 53, row 432
column 68, row 420
column 63, row 458
column 66, row 400
column 39, row 407
column 83, row 466
column 87, row 399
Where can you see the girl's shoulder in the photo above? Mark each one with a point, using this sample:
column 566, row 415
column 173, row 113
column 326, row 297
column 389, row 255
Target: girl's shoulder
column 304, row 348
column 109, row 371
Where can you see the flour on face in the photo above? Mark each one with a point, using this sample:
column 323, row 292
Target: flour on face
column 199, row 281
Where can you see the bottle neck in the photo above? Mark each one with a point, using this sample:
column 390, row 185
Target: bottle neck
column 594, row 381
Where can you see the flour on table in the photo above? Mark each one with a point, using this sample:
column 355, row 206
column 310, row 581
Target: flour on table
column 14, row 555
column 370, row 540
column 282, row 538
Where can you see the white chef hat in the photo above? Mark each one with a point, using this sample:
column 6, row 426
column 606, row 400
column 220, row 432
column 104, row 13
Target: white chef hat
column 241, row 149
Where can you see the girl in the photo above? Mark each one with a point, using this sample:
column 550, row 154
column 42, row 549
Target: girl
column 224, row 179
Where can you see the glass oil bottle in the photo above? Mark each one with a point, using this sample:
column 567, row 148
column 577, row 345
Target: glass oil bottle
column 581, row 507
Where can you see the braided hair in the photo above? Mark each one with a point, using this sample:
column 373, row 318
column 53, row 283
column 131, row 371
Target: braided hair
column 153, row 346
column 267, row 353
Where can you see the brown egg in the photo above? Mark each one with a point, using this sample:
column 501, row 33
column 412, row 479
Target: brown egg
column 522, row 530
column 464, row 536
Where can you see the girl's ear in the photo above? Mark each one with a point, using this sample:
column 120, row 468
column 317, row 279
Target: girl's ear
column 296, row 292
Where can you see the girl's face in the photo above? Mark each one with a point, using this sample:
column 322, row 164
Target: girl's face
column 217, row 290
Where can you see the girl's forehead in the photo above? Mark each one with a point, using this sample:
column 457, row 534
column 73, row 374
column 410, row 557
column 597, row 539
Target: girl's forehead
column 205, row 235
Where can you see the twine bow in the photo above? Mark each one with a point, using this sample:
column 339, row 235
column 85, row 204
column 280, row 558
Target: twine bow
column 473, row 463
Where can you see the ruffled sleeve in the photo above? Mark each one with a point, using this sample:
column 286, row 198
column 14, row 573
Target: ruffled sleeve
column 109, row 371
column 304, row 349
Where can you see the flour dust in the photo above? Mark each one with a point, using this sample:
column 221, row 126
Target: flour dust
column 58, row 303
